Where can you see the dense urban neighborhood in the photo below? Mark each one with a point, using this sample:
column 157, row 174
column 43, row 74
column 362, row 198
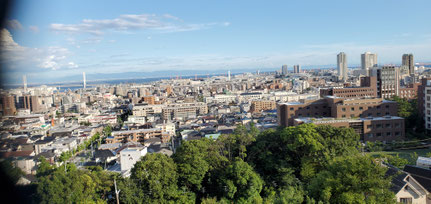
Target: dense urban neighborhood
column 345, row 135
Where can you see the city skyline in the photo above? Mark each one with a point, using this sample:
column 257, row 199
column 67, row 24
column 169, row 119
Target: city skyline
column 136, row 38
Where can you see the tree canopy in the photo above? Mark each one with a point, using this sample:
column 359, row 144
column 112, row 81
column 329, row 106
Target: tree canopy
column 301, row 164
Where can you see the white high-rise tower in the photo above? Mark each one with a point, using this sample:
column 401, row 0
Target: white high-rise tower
column 83, row 78
column 228, row 75
column 342, row 66
column 368, row 61
column 24, row 81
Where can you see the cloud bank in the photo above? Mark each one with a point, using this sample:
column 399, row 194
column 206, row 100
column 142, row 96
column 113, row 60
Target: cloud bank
column 130, row 22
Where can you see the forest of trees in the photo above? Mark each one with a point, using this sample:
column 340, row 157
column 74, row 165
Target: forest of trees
column 302, row 164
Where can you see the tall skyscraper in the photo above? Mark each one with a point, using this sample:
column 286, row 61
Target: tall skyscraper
column 284, row 70
column 24, row 81
column 228, row 75
column 409, row 62
column 296, row 68
column 342, row 66
column 83, row 79
column 368, row 60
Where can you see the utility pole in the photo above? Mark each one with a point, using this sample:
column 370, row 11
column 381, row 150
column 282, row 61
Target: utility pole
column 116, row 192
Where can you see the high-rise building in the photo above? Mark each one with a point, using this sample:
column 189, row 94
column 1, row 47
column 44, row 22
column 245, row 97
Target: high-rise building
column 24, row 81
column 424, row 102
column 29, row 102
column 388, row 81
column 409, row 62
column 83, row 79
column 8, row 105
column 368, row 60
column 228, row 75
column 296, row 68
column 342, row 66
column 284, row 70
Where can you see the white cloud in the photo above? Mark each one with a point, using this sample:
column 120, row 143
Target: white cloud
column 34, row 29
column 19, row 58
column 165, row 23
column 72, row 65
column 13, row 24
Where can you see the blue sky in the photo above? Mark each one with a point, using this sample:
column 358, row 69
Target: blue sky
column 47, row 39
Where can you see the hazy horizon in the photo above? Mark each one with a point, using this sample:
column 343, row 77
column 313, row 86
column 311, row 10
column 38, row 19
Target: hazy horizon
column 49, row 40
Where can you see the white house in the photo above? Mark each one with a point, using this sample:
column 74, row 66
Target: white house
column 130, row 155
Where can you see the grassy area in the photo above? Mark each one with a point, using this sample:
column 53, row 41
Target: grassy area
column 406, row 154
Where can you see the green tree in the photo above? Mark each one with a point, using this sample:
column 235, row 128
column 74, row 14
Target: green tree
column 13, row 173
column 352, row 179
column 284, row 155
column 130, row 191
column 396, row 161
column 156, row 175
column 192, row 163
column 286, row 196
column 73, row 186
column 235, row 145
column 107, row 130
column 44, row 168
column 240, row 183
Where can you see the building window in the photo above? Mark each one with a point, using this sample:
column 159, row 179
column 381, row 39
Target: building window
column 388, row 125
column 397, row 125
column 379, row 134
column 369, row 126
column 291, row 108
column 406, row 200
column 397, row 133
column 379, row 126
column 352, row 115
column 387, row 106
column 352, row 108
column 379, row 114
column 343, row 109
column 388, row 134
column 370, row 135
column 361, row 108
column 343, row 116
column 378, row 107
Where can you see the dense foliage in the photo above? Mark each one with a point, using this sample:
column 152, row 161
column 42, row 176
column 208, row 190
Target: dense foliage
column 414, row 124
column 302, row 164
column 67, row 184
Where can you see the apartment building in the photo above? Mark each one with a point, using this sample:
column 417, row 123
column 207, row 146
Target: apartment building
column 261, row 105
column 184, row 110
column 140, row 135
